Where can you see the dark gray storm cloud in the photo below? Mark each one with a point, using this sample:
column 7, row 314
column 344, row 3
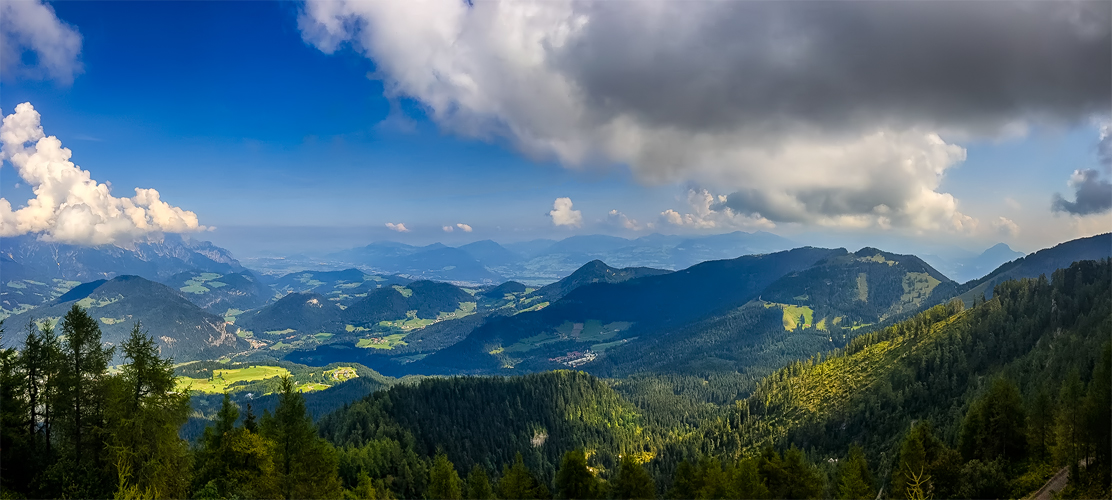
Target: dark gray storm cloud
column 834, row 65
column 1092, row 195
column 818, row 112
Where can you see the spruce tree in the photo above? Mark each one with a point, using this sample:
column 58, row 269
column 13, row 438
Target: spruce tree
column 574, row 479
column 444, row 482
column 519, row 483
column 855, row 481
column 83, row 373
column 306, row 465
column 478, row 484
column 804, row 480
column 233, row 461
column 912, row 464
column 745, row 480
column 144, row 418
column 685, row 482
column 15, row 442
column 632, row 481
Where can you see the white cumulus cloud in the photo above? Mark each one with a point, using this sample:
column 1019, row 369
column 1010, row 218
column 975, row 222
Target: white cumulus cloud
column 399, row 227
column 563, row 215
column 1006, row 227
column 448, row 229
column 711, row 211
column 32, row 26
column 464, row 227
column 69, row 206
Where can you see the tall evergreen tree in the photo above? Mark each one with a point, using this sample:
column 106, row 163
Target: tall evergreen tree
column 685, row 482
column 305, row 463
column 855, row 481
column 83, row 376
column 632, row 481
column 804, row 480
column 478, row 484
column 518, row 482
column 1040, row 425
column 15, row 445
column 745, row 480
column 1069, row 425
column 444, row 482
column 144, row 418
column 233, row 461
column 574, row 479
column 995, row 425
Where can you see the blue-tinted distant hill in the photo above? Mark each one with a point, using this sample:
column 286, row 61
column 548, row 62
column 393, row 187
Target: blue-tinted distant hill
column 558, row 259
column 221, row 294
column 343, row 287
column 531, row 248
column 541, row 262
column 491, row 254
column 35, row 272
column 436, row 261
column 165, row 257
column 965, row 269
column 182, row 330
column 1043, row 262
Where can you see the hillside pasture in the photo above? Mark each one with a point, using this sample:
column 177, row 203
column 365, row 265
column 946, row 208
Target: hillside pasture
column 222, row 378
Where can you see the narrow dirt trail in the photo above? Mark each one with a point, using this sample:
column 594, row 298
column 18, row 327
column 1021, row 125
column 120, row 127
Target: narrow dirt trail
column 1054, row 485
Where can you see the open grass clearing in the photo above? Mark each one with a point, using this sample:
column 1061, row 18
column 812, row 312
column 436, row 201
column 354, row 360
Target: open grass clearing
column 386, row 342
column 221, row 379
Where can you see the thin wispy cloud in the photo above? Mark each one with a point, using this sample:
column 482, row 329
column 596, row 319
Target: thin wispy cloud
column 32, row 26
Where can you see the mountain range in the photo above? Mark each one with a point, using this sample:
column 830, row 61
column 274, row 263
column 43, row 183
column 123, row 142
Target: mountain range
column 181, row 329
column 744, row 311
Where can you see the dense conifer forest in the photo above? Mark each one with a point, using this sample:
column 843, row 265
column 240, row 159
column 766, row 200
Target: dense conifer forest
column 985, row 401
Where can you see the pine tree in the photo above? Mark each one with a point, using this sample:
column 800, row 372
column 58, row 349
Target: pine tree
column 478, row 484
column 305, row 464
column 1097, row 408
column 1040, row 425
column 233, row 461
column 1069, row 426
column 804, row 481
column 912, row 463
column 574, row 479
column 444, row 482
column 145, row 414
column 519, row 483
column 855, row 480
column 83, row 373
column 745, row 481
column 685, row 482
column 995, row 425
column 713, row 478
column 632, row 481
column 15, row 443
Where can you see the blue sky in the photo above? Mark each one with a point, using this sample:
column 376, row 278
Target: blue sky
column 229, row 112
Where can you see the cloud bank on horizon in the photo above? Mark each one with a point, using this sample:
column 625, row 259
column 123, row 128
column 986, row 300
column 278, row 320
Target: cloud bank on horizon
column 841, row 114
column 69, row 206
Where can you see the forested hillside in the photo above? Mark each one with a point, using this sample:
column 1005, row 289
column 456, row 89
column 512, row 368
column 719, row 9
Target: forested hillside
column 185, row 331
column 599, row 316
column 1001, row 394
column 985, row 401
